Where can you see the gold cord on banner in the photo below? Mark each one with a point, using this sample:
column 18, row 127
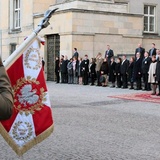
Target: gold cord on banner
column 21, row 150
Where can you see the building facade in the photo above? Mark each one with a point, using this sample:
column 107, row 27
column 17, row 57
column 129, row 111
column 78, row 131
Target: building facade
column 88, row 25
column 17, row 22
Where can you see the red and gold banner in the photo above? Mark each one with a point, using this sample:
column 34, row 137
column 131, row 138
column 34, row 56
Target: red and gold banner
column 32, row 119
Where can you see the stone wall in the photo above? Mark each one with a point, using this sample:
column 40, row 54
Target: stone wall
column 42, row 6
column 91, row 31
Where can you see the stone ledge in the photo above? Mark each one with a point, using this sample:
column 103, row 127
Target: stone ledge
column 92, row 5
column 95, row 1
column 151, row 35
column 98, row 12
column 122, row 1
column 132, row 36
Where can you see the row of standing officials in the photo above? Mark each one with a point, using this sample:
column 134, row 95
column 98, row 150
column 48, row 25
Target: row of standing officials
column 143, row 69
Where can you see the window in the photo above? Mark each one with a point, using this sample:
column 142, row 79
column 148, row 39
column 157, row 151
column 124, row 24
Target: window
column 149, row 19
column 12, row 47
column 16, row 14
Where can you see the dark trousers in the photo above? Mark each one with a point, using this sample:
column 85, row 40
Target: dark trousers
column 138, row 82
column 119, row 82
column 92, row 78
column 147, row 86
column 85, row 78
column 159, row 87
column 124, row 81
column 70, row 78
column 64, row 78
column 98, row 78
column 57, row 77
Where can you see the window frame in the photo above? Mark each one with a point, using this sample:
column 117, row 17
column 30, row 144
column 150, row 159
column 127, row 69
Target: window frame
column 12, row 24
column 149, row 16
column 16, row 14
column 12, row 47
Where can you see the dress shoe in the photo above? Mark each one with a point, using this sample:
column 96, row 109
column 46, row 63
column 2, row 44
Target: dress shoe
column 124, row 87
column 118, row 87
column 137, row 89
column 158, row 94
column 153, row 93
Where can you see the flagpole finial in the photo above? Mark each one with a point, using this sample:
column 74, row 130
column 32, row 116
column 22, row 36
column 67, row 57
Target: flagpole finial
column 45, row 21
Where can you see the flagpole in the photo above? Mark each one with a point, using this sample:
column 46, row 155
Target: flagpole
column 19, row 51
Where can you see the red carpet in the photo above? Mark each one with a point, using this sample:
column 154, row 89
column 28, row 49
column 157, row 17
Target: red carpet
column 144, row 97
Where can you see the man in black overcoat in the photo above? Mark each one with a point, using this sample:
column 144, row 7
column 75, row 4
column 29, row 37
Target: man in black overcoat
column 145, row 68
column 85, row 70
column 57, row 69
column 158, row 73
column 124, row 68
column 137, row 71
column 64, row 72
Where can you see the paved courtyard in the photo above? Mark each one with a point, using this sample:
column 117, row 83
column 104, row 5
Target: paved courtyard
column 89, row 125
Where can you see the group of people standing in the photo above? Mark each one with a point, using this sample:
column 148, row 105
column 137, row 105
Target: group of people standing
column 142, row 69
column 73, row 71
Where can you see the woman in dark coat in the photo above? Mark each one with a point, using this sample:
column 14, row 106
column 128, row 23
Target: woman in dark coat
column 80, row 70
column 118, row 72
column 112, row 76
column 93, row 71
column 130, row 72
column 104, row 72
column 57, row 69
column 158, row 73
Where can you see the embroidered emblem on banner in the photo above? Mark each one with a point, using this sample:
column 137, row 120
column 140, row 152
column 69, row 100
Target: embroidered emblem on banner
column 32, row 59
column 28, row 96
column 22, row 131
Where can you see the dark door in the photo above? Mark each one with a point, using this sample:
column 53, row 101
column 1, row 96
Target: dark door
column 53, row 50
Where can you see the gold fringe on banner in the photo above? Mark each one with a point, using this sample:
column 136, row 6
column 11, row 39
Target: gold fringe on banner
column 21, row 150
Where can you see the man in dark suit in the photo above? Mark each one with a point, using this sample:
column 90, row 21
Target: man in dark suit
column 152, row 51
column 85, row 70
column 124, row 68
column 109, row 54
column 137, row 71
column 57, row 69
column 64, row 72
column 140, row 50
column 75, row 54
column 145, row 68
column 6, row 94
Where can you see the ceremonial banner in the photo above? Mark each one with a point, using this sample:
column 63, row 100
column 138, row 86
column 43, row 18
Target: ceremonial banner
column 32, row 119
